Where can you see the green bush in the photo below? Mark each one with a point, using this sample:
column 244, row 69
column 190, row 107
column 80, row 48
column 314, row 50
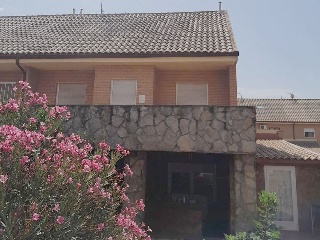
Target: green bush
column 265, row 228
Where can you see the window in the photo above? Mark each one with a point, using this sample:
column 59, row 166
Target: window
column 6, row 91
column 192, row 179
column 191, row 94
column 309, row 133
column 71, row 94
column 123, row 92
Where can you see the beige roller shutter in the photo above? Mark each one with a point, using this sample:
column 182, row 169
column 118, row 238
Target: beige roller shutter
column 123, row 92
column 71, row 94
column 192, row 94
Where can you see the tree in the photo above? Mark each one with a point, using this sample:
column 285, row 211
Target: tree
column 54, row 186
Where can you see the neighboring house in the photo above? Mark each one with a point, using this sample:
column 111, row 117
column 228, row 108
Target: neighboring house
column 293, row 173
column 289, row 167
column 164, row 86
column 295, row 120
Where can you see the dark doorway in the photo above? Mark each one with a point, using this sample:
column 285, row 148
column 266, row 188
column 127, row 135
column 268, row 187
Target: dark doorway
column 187, row 194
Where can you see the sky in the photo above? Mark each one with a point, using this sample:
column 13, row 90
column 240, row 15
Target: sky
column 278, row 40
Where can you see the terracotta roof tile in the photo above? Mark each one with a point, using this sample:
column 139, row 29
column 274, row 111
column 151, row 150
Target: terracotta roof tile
column 281, row 149
column 284, row 110
column 206, row 33
column 310, row 145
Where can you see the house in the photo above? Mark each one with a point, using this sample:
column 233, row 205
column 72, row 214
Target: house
column 164, row 86
column 295, row 120
column 292, row 172
column 287, row 133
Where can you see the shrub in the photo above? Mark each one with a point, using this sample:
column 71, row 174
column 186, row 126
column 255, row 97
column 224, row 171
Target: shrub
column 54, row 186
column 265, row 228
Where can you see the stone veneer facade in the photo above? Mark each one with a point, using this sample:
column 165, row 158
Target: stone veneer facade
column 168, row 128
column 206, row 129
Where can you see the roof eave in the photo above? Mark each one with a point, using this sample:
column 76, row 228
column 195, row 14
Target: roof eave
column 115, row 55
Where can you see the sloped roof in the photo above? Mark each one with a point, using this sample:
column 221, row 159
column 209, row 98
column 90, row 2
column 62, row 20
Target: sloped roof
column 313, row 146
column 284, row 110
column 130, row 34
column 281, row 149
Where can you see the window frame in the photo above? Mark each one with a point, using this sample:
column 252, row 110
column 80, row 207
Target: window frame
column 309, row 130
column 207, row 92
column 58, row 88
column 112, row 86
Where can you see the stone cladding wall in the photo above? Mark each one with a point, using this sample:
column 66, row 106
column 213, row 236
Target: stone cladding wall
column 168, row 128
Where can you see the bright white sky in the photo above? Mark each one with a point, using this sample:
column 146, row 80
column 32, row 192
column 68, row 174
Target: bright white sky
column 278, row 40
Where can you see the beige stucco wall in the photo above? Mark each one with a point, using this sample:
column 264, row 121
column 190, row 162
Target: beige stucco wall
column 294, row 131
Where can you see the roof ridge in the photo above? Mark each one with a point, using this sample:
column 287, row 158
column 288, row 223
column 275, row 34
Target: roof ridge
column 125, row 13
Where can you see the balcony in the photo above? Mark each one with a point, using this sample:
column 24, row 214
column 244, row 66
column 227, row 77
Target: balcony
column 205, row 129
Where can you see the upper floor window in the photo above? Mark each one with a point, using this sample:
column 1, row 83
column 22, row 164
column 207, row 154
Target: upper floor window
column 6, row 91
column 192, row 94
column 309, row 133
column 123, row 92
column 71, row 94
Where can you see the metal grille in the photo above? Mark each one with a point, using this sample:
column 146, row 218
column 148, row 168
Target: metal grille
column 6, row 91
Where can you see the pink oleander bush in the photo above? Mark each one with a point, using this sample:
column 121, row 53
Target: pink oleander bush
column 54, row 186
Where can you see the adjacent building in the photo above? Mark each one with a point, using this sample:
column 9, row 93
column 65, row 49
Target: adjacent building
column 294, row 120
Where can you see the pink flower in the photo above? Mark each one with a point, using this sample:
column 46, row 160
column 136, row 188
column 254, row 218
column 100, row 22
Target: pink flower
column 86, row 168
column 100, row 226
column 32, row 120
column 105, row 194
column 90, row 190
column 3, row 178
column 69, row 180
column 127, row 170
column 56, row 208
column 140, row 205
column 24, row 160
column 60, row 219
column 35, row 217
column 50, row 178
column 78, row 185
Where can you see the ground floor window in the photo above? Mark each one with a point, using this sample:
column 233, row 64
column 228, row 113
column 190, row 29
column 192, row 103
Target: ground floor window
column 192, row 179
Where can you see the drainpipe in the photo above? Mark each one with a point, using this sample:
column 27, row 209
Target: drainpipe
column 293, row 130
column 24, row 74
